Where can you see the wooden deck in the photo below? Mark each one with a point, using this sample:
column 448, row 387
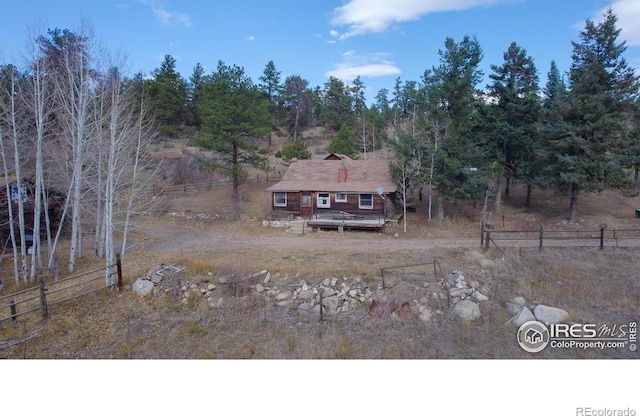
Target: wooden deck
column 345, row 221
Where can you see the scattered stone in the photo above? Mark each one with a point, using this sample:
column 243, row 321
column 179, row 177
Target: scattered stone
column 425, row 314
column 259, row 288
column 485, row 290
column 267, row 278
column 326, row 282
column 353, row 293
column 519, row 300
column 306, row 295
column 480, row 297
column 334, row 281
column 524, row 315
column 330, row 303
column 203, row 291
column 142, row 287
column 513, row 308
column 549, row 314
column 211, row 287
column 283, row 295
column 466, row 310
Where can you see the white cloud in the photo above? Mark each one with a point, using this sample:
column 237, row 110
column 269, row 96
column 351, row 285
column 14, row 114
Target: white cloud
column 628, row 13
column 166, row 17
column 375, row 16
column 251, row 38
column 333, row 33
column 365, row 66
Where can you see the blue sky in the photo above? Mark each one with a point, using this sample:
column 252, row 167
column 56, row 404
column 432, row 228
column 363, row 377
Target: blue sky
column 379, row 40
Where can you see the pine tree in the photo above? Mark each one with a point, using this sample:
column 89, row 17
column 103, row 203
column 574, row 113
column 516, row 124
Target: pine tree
column 586, row 155
column 169, row 94
column 344, row 143
column 516, row 114
column 234, row 114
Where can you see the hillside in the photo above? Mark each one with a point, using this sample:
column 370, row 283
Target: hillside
column 238, row 321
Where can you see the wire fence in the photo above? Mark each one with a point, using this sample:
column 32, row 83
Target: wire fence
column 596, row 237
column 46, row 294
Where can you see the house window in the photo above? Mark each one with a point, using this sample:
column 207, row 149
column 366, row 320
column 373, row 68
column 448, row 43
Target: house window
column 341, row 197
column 323, row 200
column 366, row 201
column 279, row 199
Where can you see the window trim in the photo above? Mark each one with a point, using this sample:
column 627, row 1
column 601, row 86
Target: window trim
column 328, row 198
column 275, row 201
column 361, row 206
column 341, row 199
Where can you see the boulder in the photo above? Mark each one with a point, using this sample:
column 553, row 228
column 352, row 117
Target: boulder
column 519, row 300
column 142, row 287
column 283, row 295
column 306, row 295
column 485, row 290
column 259, row 288
column 480, row 297
column 514, row 308
column 524, row 315
column 466, row 310
column 330, row 303
column 549, row 314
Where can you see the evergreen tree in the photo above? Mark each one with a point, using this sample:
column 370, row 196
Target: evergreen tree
column 337, row 104
column 168, row 93
column 450, row 90
column 195, row 95
column 298, row 150
column 344, row 143
column 587, row 154
column 296, row 102
column 517, row 110
column 234, row 114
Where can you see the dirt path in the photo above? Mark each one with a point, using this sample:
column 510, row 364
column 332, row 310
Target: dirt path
column 188, row 237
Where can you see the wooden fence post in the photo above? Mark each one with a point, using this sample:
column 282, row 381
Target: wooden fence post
column 43, row 299
column 14, row 313
column 481, row 233
column 541, row 236
column 320, row 291
column 119, row 271
column 601, row 238
column 486, row 240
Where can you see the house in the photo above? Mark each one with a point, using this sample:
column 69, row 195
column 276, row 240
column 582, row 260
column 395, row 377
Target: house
column 26, row 194
column 333, row 190
column 337, row 156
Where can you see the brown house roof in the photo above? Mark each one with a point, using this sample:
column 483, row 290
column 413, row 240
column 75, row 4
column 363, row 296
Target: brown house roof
column 322, row 175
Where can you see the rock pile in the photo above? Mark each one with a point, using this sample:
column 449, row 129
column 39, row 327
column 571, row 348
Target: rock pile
column 464, row 297
column 399, row 298
column 523, row 312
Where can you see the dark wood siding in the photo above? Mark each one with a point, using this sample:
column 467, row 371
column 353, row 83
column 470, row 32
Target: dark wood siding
column 351, row 206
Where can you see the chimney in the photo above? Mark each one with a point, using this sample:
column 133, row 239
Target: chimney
column 342, row 173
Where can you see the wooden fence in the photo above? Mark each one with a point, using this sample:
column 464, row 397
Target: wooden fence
column 46, row 294
column 600, row 237
column 206, row 185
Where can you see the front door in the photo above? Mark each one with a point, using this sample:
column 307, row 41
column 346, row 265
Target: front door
column 305, row 204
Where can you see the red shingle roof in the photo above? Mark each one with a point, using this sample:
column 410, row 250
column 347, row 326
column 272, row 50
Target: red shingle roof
column 322, row 175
